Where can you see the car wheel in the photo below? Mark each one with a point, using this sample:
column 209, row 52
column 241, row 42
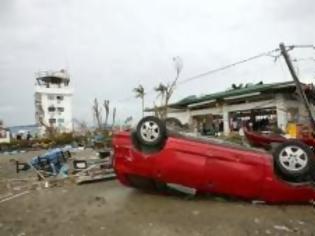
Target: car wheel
column 151, row 132
column 293, row 160
column 173, row 123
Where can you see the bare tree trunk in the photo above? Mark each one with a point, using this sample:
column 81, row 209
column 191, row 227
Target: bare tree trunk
column 106, row 107
column 166, row 91
column 114, row 117
column 169, row 94
column 158, row 111
column 97, row 112
column 142, row 106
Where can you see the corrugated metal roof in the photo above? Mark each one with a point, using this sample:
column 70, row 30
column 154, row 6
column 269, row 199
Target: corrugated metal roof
column 234, row 92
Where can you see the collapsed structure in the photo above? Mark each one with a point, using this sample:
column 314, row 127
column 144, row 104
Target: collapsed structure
column 53, row 101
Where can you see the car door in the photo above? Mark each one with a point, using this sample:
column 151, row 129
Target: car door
column 182, row 162
column 234, row 171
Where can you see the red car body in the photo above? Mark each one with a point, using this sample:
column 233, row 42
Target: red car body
column 265, row 140
column 208, row 166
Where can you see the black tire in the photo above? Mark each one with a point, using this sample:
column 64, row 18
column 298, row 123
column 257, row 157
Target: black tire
column 173, row 123
column 142, row 148
column 151, row 132
column 294, row 161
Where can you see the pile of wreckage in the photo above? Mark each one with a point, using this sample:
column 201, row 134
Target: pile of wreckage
column 59, row 164
column 57, row 167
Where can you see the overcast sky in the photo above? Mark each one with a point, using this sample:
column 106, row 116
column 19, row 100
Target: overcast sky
column 110, row 46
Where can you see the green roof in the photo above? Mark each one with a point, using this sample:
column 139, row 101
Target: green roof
column 234, row 92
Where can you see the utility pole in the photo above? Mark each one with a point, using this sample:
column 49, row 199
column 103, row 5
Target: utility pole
column 297, row 82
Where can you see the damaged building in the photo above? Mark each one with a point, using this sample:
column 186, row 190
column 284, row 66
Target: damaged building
column 53, row 101
column 260, row 105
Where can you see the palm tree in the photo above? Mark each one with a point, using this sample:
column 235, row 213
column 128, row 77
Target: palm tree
column 166, row 91
column 139, row 92
column 97, row 112
column 106, row 108
column 162, row 91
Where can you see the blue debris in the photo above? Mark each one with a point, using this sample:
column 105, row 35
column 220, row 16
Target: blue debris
column 53, row 162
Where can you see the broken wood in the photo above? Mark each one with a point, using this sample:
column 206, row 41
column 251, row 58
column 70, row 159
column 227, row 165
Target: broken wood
column 14, row 196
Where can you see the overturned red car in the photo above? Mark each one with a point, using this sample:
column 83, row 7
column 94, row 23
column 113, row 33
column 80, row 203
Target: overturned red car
column 151, row 157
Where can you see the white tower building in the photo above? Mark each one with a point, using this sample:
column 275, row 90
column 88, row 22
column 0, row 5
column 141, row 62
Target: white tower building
column 53, row 100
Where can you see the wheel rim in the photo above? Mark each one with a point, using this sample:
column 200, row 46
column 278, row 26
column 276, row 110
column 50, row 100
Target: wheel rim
column 293, row 158
column 150, row 131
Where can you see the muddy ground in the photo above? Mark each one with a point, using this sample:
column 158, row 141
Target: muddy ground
column 108, row 208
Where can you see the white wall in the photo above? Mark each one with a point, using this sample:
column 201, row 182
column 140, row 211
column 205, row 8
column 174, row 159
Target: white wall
column 281, row 103
column 6, row 139
column 66, row 103
column 183, row 116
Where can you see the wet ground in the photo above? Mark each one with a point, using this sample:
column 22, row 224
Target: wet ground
column 108, row 208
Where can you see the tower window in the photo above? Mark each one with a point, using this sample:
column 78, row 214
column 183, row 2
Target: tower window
column 52, row 121
column 59, row 98
column 51, row 109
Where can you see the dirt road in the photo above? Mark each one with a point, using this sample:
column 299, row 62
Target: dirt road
column 108, row 208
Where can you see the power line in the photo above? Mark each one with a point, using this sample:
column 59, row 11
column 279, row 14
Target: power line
column 302, row 46
column 304, row 59
column 228, row 66
column 268, row 53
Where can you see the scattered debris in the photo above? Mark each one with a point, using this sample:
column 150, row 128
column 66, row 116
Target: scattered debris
column 256, row 220
column 95, row 170
column 101, row 200
column 14, row 196
column 196, row 213
column 300, row 222
column 282, row 228
column 54, row 163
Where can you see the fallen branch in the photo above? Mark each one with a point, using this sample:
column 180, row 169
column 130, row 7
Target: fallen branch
column 38, row 172
column 12, row 179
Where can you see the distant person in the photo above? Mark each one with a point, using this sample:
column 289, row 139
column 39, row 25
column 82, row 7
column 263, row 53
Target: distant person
column 28, row 136
column 234, row 125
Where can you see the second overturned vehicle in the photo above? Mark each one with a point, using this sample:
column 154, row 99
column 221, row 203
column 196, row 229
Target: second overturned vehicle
column 151, row 157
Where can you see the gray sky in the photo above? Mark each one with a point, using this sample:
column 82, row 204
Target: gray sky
column 111, row 46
